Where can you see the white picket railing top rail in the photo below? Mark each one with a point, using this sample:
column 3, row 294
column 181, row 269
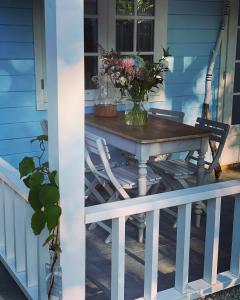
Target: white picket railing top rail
column 11, row 176
column 138, row 205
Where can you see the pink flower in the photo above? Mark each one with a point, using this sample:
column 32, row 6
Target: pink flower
column 128, row 64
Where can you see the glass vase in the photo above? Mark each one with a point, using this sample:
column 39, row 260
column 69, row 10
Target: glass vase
column 136, row 113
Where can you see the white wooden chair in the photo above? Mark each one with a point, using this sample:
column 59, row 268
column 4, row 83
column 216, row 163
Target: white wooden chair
column 183, row 170
column 118, row 181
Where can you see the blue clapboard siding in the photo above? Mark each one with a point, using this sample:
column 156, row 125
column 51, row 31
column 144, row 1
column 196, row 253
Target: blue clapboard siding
column 193, row 27
column 19, row 119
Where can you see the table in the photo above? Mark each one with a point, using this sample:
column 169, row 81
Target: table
column 159, row 136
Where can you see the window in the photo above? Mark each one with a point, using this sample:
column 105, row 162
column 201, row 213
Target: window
column 130, row 26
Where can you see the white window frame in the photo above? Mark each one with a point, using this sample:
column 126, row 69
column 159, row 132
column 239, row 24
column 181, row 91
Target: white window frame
column 40, row 54
column 106, row 37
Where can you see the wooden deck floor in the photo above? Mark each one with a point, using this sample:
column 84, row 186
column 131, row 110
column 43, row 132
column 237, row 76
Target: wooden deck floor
column 99, row 256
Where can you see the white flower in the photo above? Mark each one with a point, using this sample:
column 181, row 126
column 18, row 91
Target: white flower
column 123, row 80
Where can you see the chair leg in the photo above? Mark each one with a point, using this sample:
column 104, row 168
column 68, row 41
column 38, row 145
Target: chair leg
column 198, row 213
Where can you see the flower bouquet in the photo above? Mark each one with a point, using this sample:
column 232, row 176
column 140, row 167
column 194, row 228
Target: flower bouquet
column 134, row 77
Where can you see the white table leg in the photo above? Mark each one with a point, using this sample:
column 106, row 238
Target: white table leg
column 142, row 191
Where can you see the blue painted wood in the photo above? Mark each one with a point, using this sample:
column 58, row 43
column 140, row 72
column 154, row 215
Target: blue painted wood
column 16, row 3
column 193, row 22
column 195, row 7
column 17, row 146
column 16, row 33
column 17, row 99
column 17, row 83
column 20, row 114
column 192, row 36
column 16, row 158
column 15, row 16
column 19, row 130
column 17, row 67
column 190, row 50
column 16, row 50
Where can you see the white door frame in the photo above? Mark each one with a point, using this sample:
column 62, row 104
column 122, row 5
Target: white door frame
column 231, row 152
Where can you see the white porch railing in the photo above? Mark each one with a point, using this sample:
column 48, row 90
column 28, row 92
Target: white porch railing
column 211, row 281
column 20, row 251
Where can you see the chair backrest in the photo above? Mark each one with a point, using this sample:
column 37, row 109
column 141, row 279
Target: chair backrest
column 172, row 115
column 219, row 135
column 97, row 145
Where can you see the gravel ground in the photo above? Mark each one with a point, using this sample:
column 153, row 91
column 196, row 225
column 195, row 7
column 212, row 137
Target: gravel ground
column 229, row 294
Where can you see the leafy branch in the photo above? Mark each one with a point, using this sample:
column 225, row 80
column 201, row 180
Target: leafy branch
column 44, row 199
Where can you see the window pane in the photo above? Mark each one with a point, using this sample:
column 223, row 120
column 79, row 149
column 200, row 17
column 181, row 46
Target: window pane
column 238, row 45
column 91, row 69
column 145, row 35
column 90, row 35
column 146, row 8
column 237, row 78
column 236, row 110
column 124, row 35
column 125, row 7
column 147, row 57
column 90, row 7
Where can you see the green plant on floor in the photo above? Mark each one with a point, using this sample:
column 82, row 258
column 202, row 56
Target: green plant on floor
column 44, row 198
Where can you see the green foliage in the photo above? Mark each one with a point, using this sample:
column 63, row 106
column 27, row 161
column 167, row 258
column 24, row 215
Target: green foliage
column 44, row 199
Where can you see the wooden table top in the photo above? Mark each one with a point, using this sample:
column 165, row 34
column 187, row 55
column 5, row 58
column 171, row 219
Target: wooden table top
column 157, row 129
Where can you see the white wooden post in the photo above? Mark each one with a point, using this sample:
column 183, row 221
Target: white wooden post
column 118, row 258
column 212, row 240
column 183, row 246
column 151, row 255
column 65, row 72
column 235, row 255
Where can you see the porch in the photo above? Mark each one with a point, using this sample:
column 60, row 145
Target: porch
column 98, row 277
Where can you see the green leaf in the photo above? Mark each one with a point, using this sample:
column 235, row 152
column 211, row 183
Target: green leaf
column 38, row 222
column 35, row 179
column 33, row 198
column 26, row 166
column 26, row 181
column 52, row 215
column 49, row 195
column 53, row 178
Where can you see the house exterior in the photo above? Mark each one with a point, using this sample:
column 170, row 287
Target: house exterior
column 33, row 81
column 188, row 28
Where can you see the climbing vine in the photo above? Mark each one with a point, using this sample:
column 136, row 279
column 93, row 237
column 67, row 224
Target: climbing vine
column 44, row 199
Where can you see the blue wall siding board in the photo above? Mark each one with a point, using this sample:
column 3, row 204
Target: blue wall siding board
column 195, row 7
column 16, row 3
column 16, row 50
column 16, row 33
column 19, row 119
column 190, row 63
column 12, row 16
column 20, row 130
column 185, row 49
column 192, row 36
column 193, row 22
column 17, row 99
column 17, row 83
column 17, row 67
column 20, row 114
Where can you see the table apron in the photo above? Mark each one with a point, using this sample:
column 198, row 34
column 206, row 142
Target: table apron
column 144, row 151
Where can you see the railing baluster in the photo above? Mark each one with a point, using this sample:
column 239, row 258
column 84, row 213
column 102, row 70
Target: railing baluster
column 118, row 258
column 2, row 227
column 9, row 222
column 31, row 251
column 43, row 258
column 151, row 255
column 212, row 240
column 19, row 233
column 183, row 246
column 235, row 255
